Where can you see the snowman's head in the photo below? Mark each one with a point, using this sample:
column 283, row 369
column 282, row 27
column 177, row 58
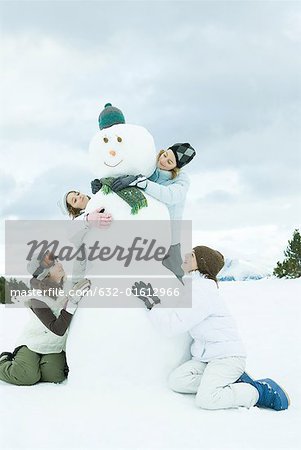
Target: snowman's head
column 122, row 150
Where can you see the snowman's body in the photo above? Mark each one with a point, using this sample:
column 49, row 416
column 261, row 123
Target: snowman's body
column 120, row 210
column 120, row 344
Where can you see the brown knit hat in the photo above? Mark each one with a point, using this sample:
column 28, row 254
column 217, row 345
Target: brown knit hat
column 209, row 261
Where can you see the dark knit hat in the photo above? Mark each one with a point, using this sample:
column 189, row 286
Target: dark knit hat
column 210, row 262
column 110, row 116
column 183, row 153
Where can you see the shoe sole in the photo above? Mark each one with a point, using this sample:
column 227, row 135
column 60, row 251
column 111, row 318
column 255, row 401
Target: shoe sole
column 285, row 399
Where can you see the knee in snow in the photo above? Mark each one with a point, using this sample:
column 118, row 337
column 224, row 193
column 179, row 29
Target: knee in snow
column 174, row 382
column 30, row 379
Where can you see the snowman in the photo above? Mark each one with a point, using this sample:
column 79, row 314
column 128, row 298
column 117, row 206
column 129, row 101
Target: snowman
column 120, row 149
column 123, row 149
column 119, row 345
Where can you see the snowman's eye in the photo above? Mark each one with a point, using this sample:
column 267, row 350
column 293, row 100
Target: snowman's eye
column 106, row 140
column 119, row 139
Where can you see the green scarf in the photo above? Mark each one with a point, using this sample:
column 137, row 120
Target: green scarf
column 132, row 195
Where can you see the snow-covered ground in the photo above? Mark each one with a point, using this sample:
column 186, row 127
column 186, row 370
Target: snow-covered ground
column 113, row 411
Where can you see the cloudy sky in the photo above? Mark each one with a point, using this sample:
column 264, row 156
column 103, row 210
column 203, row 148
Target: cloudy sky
column 223, row 75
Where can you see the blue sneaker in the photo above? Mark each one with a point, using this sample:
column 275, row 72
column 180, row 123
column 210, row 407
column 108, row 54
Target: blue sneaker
column 271, row 395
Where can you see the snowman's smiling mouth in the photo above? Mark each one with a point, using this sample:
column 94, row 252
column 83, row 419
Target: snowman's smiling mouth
column 114, row 164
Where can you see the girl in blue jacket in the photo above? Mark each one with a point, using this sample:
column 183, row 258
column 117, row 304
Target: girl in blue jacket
column 169, row 185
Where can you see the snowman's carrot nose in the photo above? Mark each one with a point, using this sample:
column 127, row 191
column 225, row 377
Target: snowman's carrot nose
column 112, row 153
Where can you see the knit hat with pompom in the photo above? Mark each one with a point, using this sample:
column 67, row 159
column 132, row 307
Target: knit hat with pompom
column 110, row 116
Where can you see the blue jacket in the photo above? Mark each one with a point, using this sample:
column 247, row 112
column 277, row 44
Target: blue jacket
column 173, row 193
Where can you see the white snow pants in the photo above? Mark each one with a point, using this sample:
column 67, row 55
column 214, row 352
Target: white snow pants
column 214, row 383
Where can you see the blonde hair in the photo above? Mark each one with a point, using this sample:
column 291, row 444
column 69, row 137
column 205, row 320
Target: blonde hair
column 175, row 171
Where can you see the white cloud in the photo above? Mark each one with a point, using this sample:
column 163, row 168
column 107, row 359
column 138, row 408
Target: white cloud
column 263, row 245
column 211, row 181
column 27, row 159
column 292, row 27
column 39, row 78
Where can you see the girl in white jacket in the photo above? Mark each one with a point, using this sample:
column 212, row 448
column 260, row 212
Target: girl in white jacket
column 218, row 355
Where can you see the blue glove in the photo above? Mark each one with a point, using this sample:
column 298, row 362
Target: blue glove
column 129, row 181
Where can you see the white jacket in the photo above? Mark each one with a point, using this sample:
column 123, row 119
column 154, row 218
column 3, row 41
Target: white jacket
column 39, row 338
column 208, row 322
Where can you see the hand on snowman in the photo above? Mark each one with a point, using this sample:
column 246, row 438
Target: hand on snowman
column 79, row 290
column 99, row 218
column 128, row 181
column 74, row 296
column 96, row 185
column 146, row 293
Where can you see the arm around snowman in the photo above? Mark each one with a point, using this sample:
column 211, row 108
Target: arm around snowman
column 59, row 324
column 129, row 181
column 171, row 194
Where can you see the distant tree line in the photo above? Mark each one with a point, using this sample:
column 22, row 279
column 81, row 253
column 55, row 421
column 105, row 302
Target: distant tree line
column 6, row 286
column 290, row 267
